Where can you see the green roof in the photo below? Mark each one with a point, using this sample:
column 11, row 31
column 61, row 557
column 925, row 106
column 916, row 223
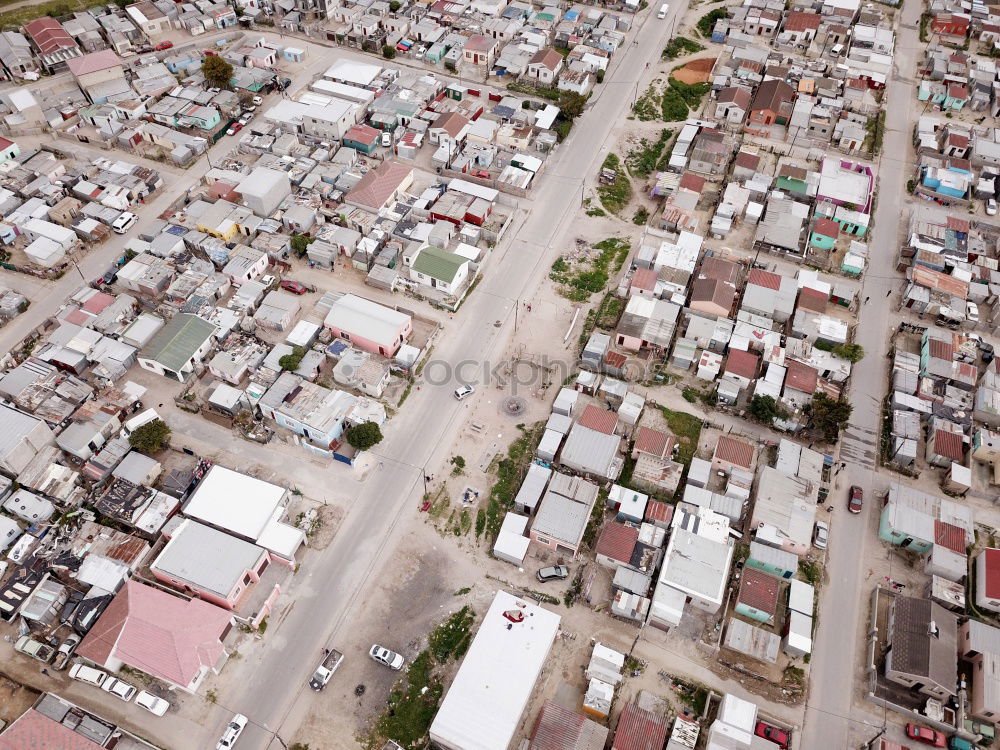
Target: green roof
column 175, row 343
column 438, row 264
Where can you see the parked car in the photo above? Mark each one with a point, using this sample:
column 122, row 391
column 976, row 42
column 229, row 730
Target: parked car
column 482, row 173
column 991, row 207
column 463, row 391
column 972, row 312
column 233, row 731
column 152, row 703
column 384, row 656
column 988, row 354
column 778, row 736
column 295, row 287
column 326, row 669
column 268, row 281
column 821, row 534
column 386, row 139
column 91, row 676
column 235, row 128
column 926, row 735
column 421, row 51
column 245, row 118
column 552, row 573
column 163, row 46
column 35, row 649
column 118, row 688
column 66, row 649
column 124, row 222
column 855, row 499
column 258, row 100
column 209, row 52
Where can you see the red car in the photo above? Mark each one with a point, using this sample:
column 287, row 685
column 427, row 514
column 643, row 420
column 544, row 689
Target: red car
column 772, row 734
column 235, row 128
column 163, row 45
column 856, row 499
column 928, row 736
column 294, row 287
column 209, row 52
column 482, row 173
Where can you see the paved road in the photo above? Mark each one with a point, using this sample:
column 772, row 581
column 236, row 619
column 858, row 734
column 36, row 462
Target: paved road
column 831, row 722
column 272, row 692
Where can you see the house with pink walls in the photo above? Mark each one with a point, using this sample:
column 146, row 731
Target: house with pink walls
column 368, row 325
column 210, row 564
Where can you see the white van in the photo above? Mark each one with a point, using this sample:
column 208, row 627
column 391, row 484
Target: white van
column 663, row 11
column 124, row 222
column 133, row 424
column 87, row 674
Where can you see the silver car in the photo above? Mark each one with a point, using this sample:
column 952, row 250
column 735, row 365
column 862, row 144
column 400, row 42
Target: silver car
column 821, row 534
column 384, row 656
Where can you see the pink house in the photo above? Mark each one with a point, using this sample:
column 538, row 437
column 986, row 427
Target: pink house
column 369, row 325
column 210, row 564
column 176, row 640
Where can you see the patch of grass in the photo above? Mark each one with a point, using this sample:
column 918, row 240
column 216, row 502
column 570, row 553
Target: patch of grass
column 12, row 20
column 644, row 107
column 691, row 93
column 596, row 519
column 874, row 133
column 690, row 394
column 413, row 703
column 680, row 46
column 610, row 310
column 645, row 157
column 707, row 22
column 450, row 639
column 539, row 91
column 673, row 108
column 641, row 217
column 615, row 197
column 595, row 211
column 810, row 570
column 463, row 591
column 480, row 522
column 687, row 429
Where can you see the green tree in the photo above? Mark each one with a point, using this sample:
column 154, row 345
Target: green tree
column 217, row 71
column 450, row 66
column 300, row 242
column 850, row 352
column 829, row 415
column 292, row 361
column 571, row 104
column 151, row 438
column 388, row 51
column 364, row 436
column 395, row 5
column 765, row 409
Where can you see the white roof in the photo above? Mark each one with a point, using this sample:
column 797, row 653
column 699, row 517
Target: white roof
column 261, row 181
column 235, row 502
column 350, row 71
column 737, row 712
column 483, row 706
column 801, row 597
column 303, row 333
column 512, row 544
column 533, row 486
column 368, row 319
column 473, row 189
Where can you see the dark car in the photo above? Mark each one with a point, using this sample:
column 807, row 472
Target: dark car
column 295, row 287
column 778, row 736
column 553, row 573
column 926, row 735
column 856, row 499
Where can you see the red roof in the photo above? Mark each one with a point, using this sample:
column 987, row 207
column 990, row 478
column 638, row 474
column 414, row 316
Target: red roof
column 812, row 299
column 601, row 420
column 827, row 228
column 617, row 541
column 692, row 182
column 644, row 278
column 34, row 730
column 940, row 349
column 799, row 21
column 639, row 729
column 558, row 728
column 376, row 188
column 653, row 442
column 617, row 360
column 741, row 363
column 98, row 302
column 800, row 376
column 160, row 634
column 949, row 535
column 94, row 62
column 734, row 452
column 765, row 279
column 991, row 561
column 365, row 134
column 948, row 444
column 658, row 511
column 758, row 590
column 747, row 160
column 959, row 225
column 5, row 144
column 49, row 35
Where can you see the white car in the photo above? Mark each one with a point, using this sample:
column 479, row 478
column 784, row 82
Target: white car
column 152, row 703
column 258, row 100
column 118, row 688
column 233, row 731
column 991, row 207
column 972, row 312
column 821, row 535
column 384, row 656
column 464, row 391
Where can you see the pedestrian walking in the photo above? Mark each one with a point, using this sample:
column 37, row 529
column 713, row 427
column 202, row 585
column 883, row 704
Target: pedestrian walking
column 866, row 300
column 889, row 293
column 45, row 671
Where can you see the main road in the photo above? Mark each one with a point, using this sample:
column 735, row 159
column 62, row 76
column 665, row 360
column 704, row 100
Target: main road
column 837, row 671
column 270, row 691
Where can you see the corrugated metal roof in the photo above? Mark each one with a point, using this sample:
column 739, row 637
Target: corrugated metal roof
column 558, row 728
column 617, row 541
column 639, row 729
column 759, row 590
column 598, row 419
column 734, row 452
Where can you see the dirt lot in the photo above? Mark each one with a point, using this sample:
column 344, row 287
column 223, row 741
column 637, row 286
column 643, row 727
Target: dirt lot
column 15, row 699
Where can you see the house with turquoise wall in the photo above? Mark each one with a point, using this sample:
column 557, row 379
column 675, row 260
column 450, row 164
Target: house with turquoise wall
column 776, row 562
column 758, row 595
column 948, row 181
column 824, row 234
column 914, row 520
column 851, row 221
column 203, row 118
